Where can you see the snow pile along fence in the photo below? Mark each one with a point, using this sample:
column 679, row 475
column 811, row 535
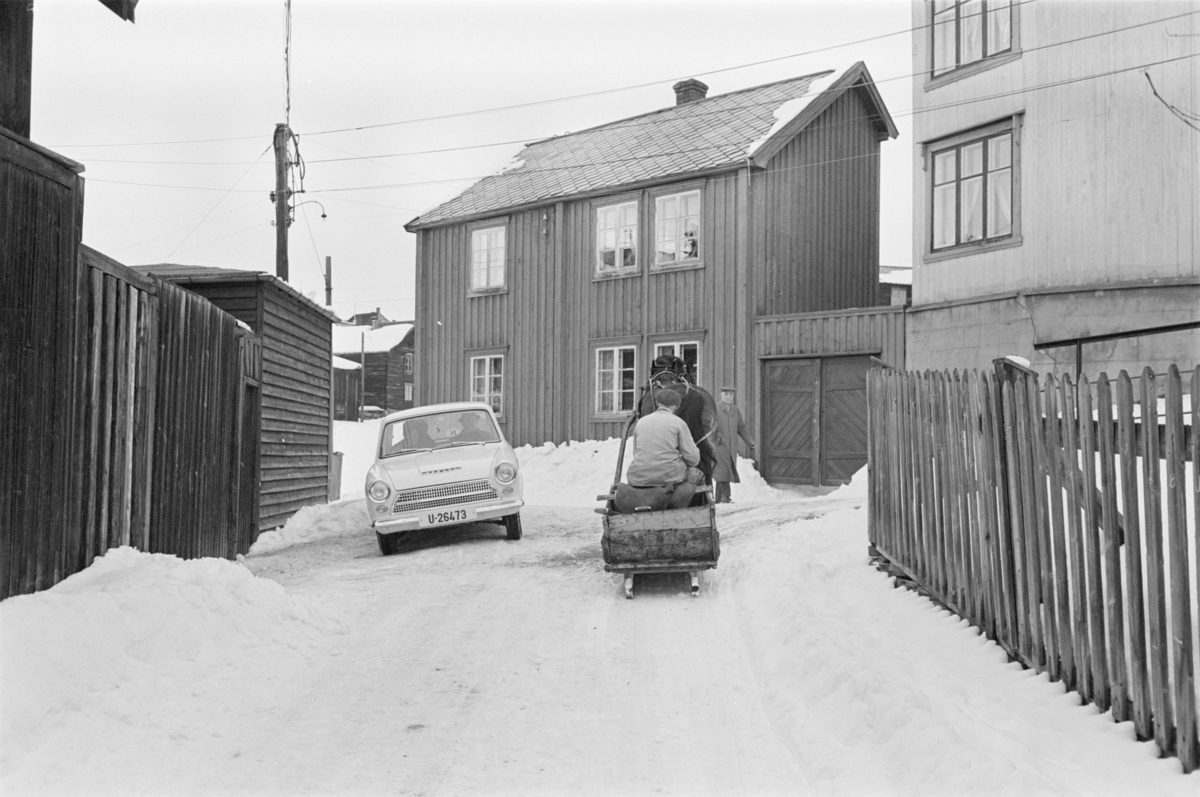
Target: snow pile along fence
column 1025, row 506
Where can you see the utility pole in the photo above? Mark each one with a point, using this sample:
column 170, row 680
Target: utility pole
column 328, row 281
column 281, row 197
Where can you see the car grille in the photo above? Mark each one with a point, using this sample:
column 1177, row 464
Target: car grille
column 443, row 495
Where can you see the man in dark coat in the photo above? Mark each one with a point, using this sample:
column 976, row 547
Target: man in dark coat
column 730, row 426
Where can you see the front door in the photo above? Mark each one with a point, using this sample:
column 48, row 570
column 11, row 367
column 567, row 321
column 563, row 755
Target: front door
column 814, row 419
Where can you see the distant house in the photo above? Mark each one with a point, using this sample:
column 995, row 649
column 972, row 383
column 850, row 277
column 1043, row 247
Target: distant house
column 296, row 394
column 387, row 356
column 1054, row 207
column 701, row 230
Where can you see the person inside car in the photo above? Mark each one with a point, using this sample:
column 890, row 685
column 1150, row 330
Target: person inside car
column 470, row 433
column 417, row 431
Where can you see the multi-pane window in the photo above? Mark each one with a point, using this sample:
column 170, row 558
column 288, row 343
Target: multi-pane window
column 688, row 351
column 966, row 31
column 408, row 362
column 973, row 191
column 616, row 237
column 487, row 381
column 487, row 258
column 677, row 228
column 616, row 379
column 408, row 391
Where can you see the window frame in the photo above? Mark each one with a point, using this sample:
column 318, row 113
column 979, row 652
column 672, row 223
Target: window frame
column 614, row 345
column 1009, row 124
column 408, row 362
column 655, row 197
column 599, row 205
column 986, row 62
column 680, row 339
column 408, row 391
column 489, row 353
column 486, row 226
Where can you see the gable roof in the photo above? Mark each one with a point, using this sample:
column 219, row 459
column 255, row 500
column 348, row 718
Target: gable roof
column 715, row 134
column 349, row 339
column 191, row 275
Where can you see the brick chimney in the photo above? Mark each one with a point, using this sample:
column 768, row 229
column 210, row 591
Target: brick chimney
column 689, row 90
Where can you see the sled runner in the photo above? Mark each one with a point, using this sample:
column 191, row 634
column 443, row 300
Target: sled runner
column 650, row 539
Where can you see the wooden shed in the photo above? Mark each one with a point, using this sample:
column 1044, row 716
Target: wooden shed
column 296, row 418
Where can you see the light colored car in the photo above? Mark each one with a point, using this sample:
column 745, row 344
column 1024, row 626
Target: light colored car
column 442, row 465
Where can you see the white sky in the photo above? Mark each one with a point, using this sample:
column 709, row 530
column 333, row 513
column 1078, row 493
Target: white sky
column 112, row 94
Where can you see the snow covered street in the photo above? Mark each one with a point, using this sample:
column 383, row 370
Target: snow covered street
column 469, row 664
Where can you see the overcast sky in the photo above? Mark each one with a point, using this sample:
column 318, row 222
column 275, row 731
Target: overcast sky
column 173, row 116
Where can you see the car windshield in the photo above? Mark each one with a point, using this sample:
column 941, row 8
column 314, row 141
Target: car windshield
column 438, row 430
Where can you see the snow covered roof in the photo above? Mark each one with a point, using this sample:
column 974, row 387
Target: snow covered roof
column 721, row 132
column 895, row 275
column 179, row 274
column 342, row 364
column 354, row 339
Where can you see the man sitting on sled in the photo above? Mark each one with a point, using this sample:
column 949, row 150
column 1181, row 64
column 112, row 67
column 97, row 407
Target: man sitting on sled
column 663, row 472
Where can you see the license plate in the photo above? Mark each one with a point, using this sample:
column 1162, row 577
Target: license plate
column 444, row 517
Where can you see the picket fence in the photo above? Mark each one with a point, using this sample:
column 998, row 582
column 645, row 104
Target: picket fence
column 1034, row 508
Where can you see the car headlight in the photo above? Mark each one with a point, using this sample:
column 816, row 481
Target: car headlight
column 379, row 491
column 506, row 472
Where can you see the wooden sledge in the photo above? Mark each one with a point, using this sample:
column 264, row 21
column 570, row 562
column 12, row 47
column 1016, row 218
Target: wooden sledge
column 664, row 541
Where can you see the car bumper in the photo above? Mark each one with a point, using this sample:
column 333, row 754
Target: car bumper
column 484, row 512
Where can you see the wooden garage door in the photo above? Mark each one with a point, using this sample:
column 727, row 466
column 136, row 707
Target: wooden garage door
column 815, row 419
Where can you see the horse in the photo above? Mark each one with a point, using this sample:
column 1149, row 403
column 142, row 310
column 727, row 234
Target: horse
column 697, row 407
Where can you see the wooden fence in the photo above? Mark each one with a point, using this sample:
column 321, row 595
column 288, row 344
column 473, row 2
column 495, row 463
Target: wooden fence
column 129, row 407
column 1055, row 518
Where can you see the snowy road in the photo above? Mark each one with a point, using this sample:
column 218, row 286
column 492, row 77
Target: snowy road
column 504, row 667
column 472, row 665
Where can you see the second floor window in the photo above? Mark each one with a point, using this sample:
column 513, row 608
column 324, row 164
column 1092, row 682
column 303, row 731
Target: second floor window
column 616, row 238
column 616, row 379
column 487, row 381
column 973, row 191
column 408, row 361
column 966, row 31
column 677, row 228
column 487, row 258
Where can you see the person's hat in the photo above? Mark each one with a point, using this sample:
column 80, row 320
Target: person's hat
column 666, row 397
column 729, row 390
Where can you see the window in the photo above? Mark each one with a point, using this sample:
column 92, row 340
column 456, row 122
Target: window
column 973, row 197
column 487, row 381
column 968, row 31
column 616, row 238
column 408, row 361
column 487, row 258
column 408, row 391
column 677, row 228
column 616, row 379
column 688, row 351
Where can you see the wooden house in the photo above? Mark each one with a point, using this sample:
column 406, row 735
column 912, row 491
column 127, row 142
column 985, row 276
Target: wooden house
column 709, row 230
column 296, row 410
column 386, row 353
column 347, row 389
column 1056, row 177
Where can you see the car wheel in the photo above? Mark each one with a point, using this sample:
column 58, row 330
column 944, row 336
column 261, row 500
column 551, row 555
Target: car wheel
column 388, row 543
column 512, row 524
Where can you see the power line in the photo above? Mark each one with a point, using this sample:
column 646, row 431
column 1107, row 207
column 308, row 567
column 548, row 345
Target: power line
column 548, row 101
column 214, row 207
column 673, row 153
column 625, row 125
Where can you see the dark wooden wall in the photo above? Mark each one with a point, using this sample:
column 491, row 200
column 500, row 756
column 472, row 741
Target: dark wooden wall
column 129, row 405
column 16, row 65
column 296, row 406
column 817, row 235
column 347, row 394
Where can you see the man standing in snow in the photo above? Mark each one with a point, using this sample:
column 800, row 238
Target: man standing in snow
column 730, row 426
column 664, row 455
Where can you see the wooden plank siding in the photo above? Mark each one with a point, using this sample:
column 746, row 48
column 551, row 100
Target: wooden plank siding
column 297, row 391
column 821, row 233
column 555, row 311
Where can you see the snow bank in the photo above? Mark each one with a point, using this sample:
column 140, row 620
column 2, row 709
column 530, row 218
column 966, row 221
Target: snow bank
column 120, row 640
